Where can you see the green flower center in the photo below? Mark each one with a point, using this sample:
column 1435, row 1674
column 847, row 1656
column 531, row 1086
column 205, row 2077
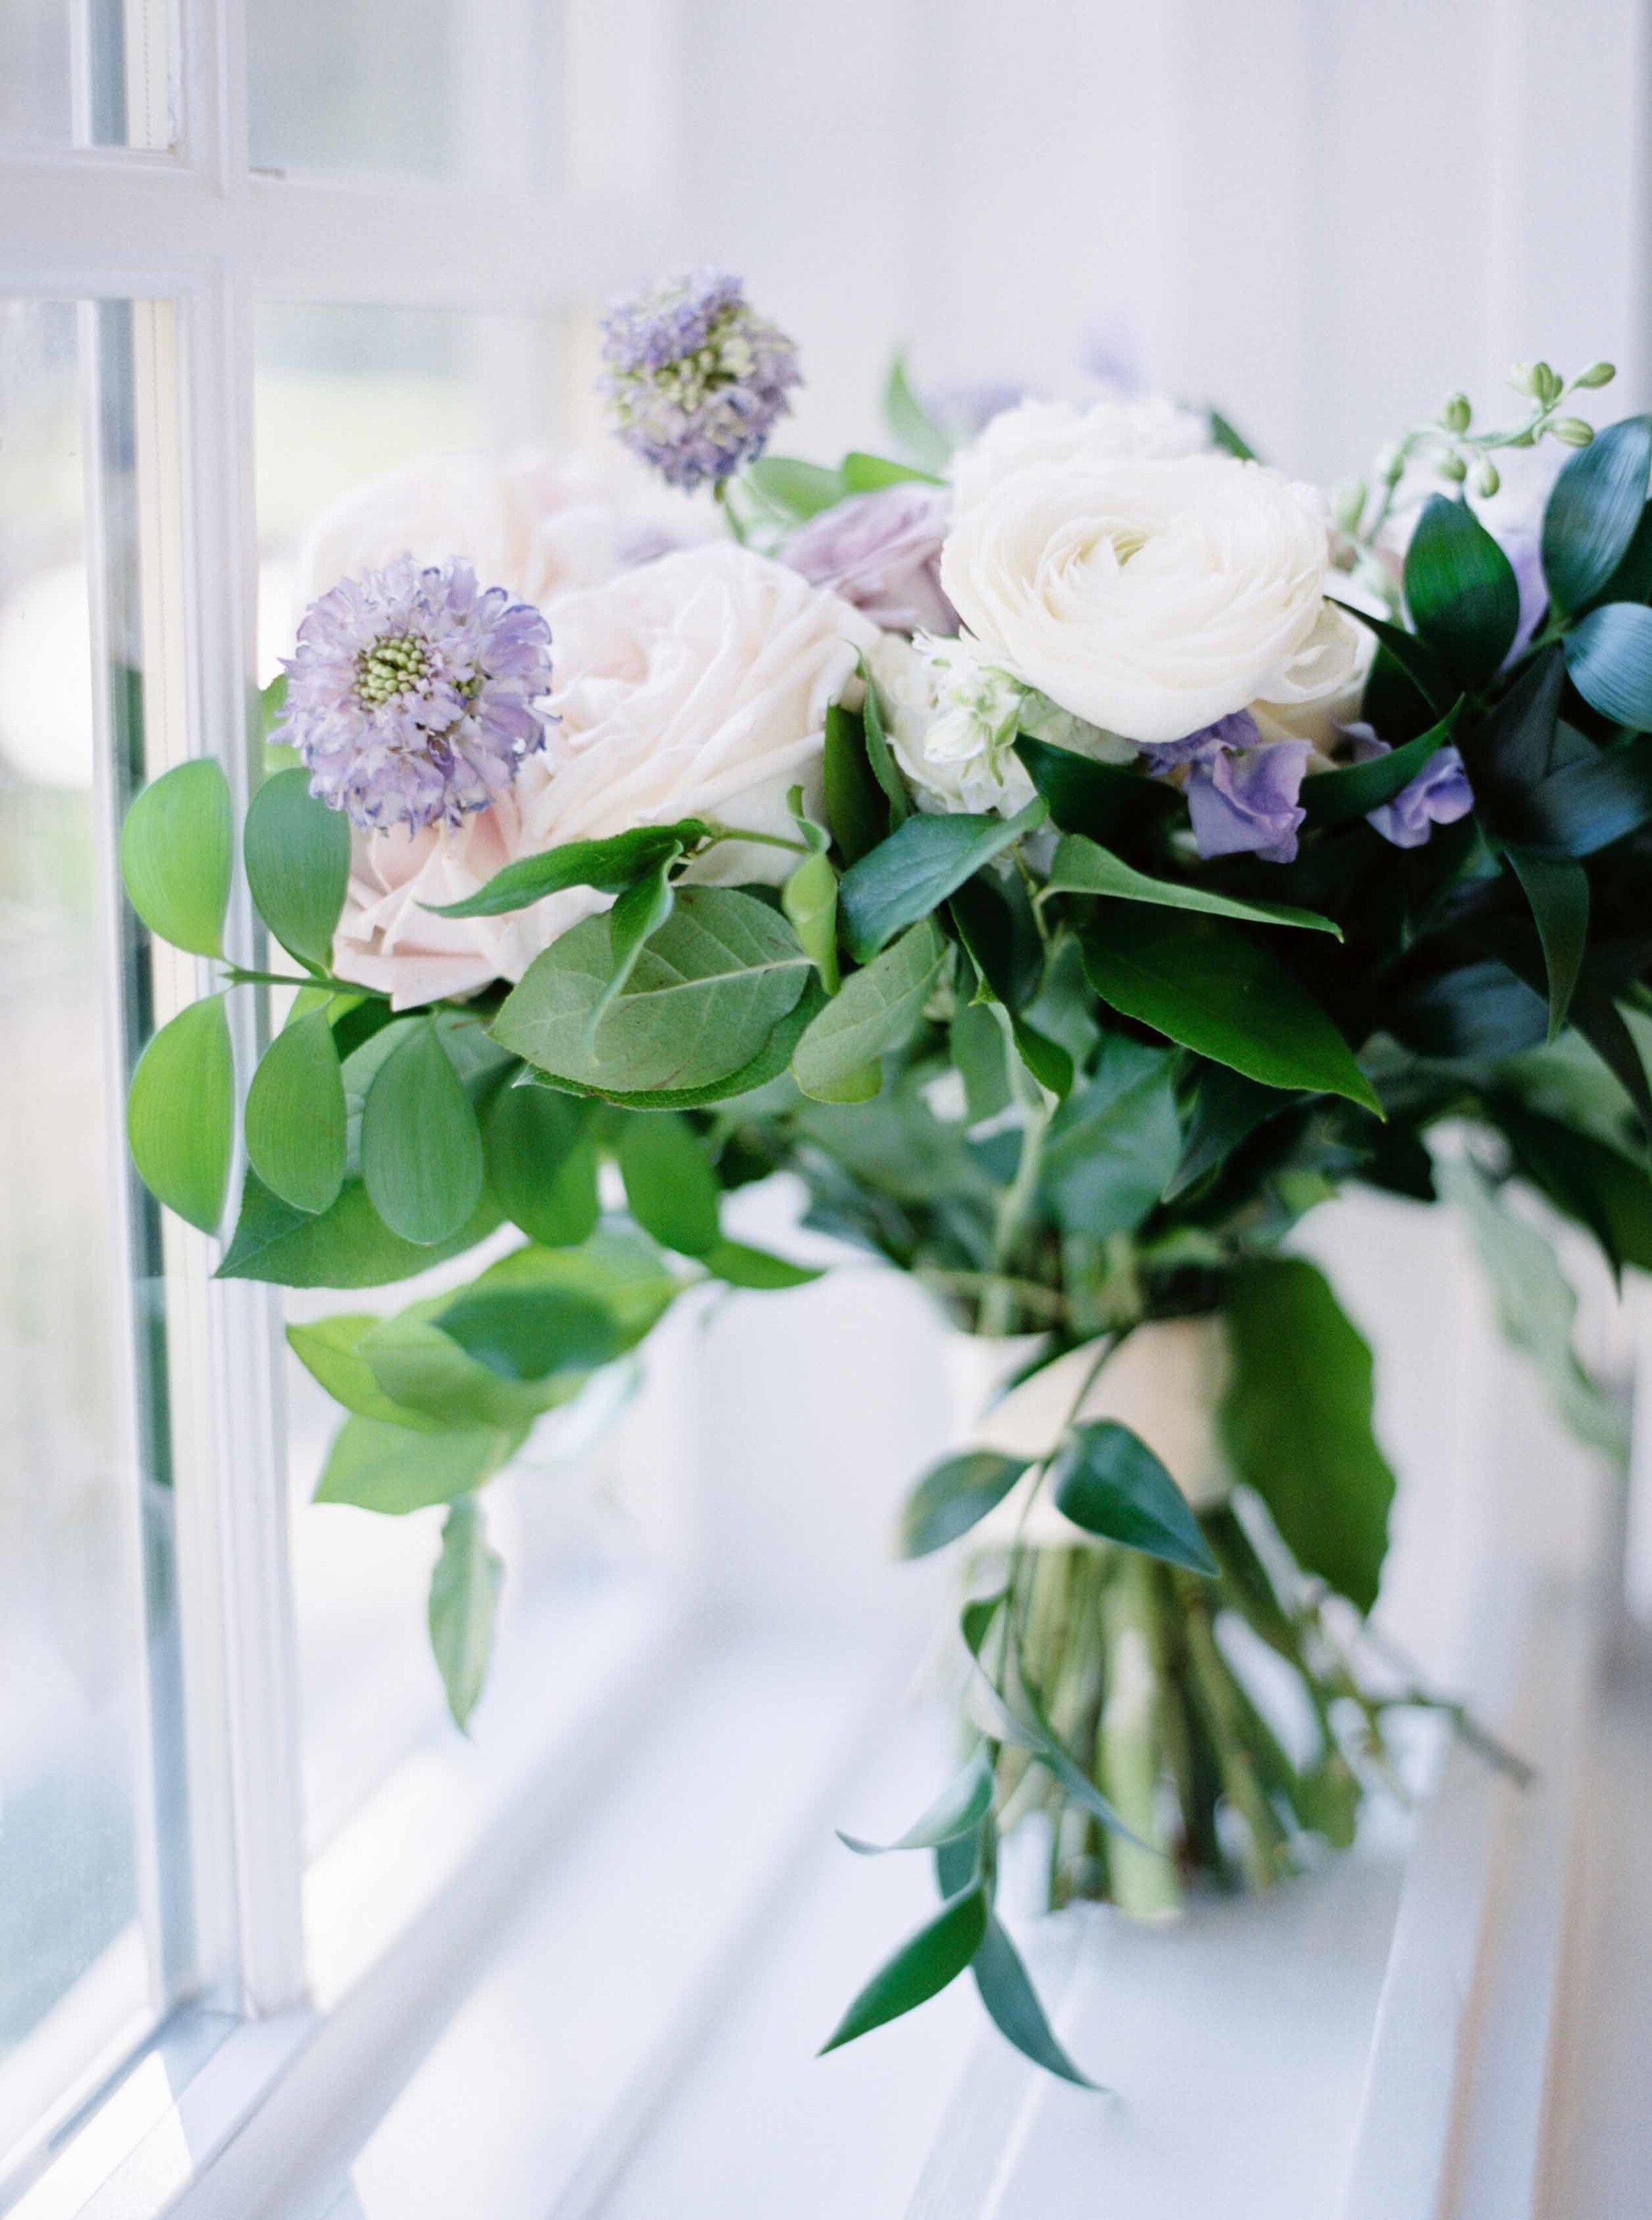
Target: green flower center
column 396, row 663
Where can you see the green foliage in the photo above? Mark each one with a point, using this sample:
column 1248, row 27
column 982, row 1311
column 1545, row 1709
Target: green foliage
column 701, row 1003
column 1594, row 512
column 1559, row 894
column 636, row 917
column 329, row 1351
column 1107, row 1481
column 1609, row 660
column 464, row 1588
column 177, row 854
column 1226, row 996
column 955, row 1495
column 1336, row 797
column 800, row 489
column 609, row 865
column 1460, row 591
column 920, row 1969
column 348, row 1246
column 879, row 755
column 421, row 1156
column 913, row 871
column 542, row 1164
column 1414, row 656
column 857, row 808
column 743, row 1267
column 1297, row 1422
column 1082, row 867
column 1105, row 803
column 875, row 1011
column 957, row 1811
column 670, row 1187
column 532, row 1333
column 296, row 1123
column 1013, row 2004
column 1113, row 1147
column 297, row 855
column 180, row 1117
column 912, row 426
column 391, row 1469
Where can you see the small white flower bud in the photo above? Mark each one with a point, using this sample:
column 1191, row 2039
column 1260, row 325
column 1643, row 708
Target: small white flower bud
column 1391, row 466
column 1487, row 480
column 1598, row 374
column 1455, row 412
column 1454, row 468
column 1572, row 431
column 1348, row 504
column 1546, row 383
column 1521, row 378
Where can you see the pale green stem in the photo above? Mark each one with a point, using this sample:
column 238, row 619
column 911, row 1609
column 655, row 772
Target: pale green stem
column 1130, row 1748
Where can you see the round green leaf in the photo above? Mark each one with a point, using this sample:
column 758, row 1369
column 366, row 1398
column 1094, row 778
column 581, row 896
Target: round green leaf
column 421, row 1146
column 392, row 1470
column 181, row 1112
column 670, row 1185
column 177, row 853
column 542, row 1164
column 295, row 1115
column 1460, row 591
column 1593, row 510
column 298, row 854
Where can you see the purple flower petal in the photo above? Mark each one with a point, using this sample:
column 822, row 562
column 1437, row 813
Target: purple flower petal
column 1245, row 800
column 881, row 552
column 696, row 379
column 1439, row 795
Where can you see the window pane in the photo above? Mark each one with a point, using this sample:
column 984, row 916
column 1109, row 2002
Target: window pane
column 343, row 396
column 35, row 101
column 367, row 86
column 72, row 1728
column 86, row 72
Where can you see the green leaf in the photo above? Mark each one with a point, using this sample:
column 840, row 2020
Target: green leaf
column 1101, row 800
column 875, row 1011
column 636, row 917
column 298, row 853
column 272, row 700
column 955, row 1495
column 863, row 473
column 1600, row 1186
column 1082, row 867
column 527, row 1333
column 1111, row 1149
column 1460, row 591
column 1211, row 989
column 1559, row 894
column 328, row 1348
column 1591, row 800
column 464, row 1587
column 347, row 1246
column 1476, row 1010
column 670, row 1187
column 1536, row 1308
column 1414, row 656
column 420, row 1368
column 542, row 1164
column 1593, row 510
column 420, row 1145
column 769, row 1063
column 756, row 1268
column 609, row 865
column 1231, row 442
column 295, row 1115
column 177, row 848
column 921, row 1969
column 388, row 1469
column 957, row 1811
column 1336, row 797
column 1227, row 1110
column 1597, row 1017
column 809, row 898
column 977, row 1042
column 618, row 1267
column 180, row 1115
column 706, row 993
column 914, row 427
column 856, row 809
column 1296, row 1421
column 802, row 489
column 1013, row 2004
column 913, row 871
column 1107, row 1481
column 1609, row 660
column 878, row 755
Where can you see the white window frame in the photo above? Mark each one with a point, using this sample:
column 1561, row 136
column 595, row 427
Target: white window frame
column 179, row 224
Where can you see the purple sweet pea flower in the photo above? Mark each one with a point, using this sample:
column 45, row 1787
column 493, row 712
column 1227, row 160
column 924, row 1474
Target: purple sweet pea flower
column 1439, row 795
column 1241, row 791
column 414, row 695
column 882, row 551
column 1237, row 731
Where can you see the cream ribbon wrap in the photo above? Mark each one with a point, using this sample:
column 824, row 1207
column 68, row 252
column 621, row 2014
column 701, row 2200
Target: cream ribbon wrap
column 1165, row 1382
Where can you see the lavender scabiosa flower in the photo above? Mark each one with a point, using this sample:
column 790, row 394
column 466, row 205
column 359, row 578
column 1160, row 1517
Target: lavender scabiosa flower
column 697, row 380
column 414, row 695
column 1439, row 795
column 1242, row 790
column 881, row 552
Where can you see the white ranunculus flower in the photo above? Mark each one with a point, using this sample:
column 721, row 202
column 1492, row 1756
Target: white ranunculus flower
column 1319, row 691
column 1149, row 598
column 539, row 525
column 695, row 686
column 1145, row 429
column 954, row 713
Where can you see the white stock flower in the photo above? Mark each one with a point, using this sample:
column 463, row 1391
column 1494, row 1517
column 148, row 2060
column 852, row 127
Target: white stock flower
column 954, row 713
column 1149, row 598
column 1145, row 429
column 695, row 686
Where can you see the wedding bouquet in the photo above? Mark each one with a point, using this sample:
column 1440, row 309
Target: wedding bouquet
column 1075, row 851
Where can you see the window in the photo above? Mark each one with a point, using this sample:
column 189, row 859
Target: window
column 253, row 253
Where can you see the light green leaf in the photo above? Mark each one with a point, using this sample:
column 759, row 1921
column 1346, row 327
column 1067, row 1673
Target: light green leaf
column 809, row 898
column 865, row 473
column 618, row 1267
column 1107, row 1481
column 955, row 1495
column 756, row 1268
column 295, row 1115
column 464, row 1588
column 958, row 1810
column 388, row 1469
column 347, row 1246
column 421, row 1155
column 921, row 1969
column 609, row 865
column 914, row 427
column 1211, row 989
column 913, row 871
column 670, row 1185
column 801, row 489
column 1013, row 2004
column 1113, row 1147
column 875, row 1011
column 328, row 1348
column 542, row 1164
column 532, row 1334
column 636, row 916
column 177, row 853
column 1083, row 867
column 1296, row 1421
column 180, row 1117
column 706, row 993
column 298, row 853
column 422, row 1368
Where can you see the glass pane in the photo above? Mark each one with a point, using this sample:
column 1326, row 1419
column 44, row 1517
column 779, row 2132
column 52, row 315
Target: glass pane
column 370, row 85
column 86, row 72
column 72, row 1966
column 343, row 397
column 35, row 97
